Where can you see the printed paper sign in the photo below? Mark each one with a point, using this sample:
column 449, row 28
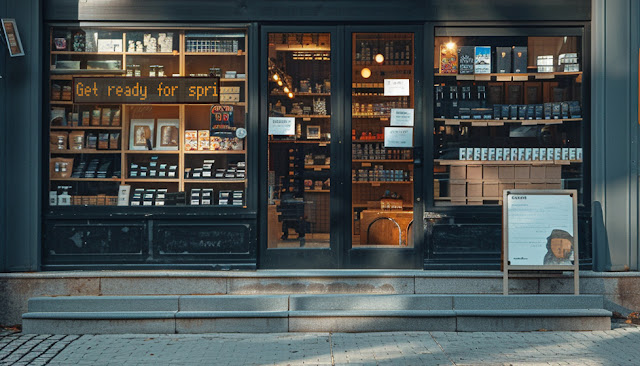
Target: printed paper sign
column 402, row 117
column 282, row 126
column 396, row 87
column 540, row 229
column 398, row 137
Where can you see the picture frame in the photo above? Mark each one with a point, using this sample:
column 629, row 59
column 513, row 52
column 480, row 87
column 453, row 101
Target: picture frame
column 141, row 134
column 12, row 37
column 168, row 134
column 313, row 132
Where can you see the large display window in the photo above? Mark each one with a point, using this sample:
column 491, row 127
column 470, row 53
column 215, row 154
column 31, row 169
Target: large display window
column 147, row 148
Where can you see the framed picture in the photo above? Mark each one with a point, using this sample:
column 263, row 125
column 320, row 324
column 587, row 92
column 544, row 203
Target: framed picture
column 168, row 134
column 313, row 132
column 141, row 134
column 12, row 37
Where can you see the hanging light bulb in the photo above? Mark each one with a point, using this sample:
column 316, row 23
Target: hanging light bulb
column 379, row 58
column 366, row 73
column 451, row 45
column 286, row 90
column 290, row 95
column 279, row 82
column 276, row 77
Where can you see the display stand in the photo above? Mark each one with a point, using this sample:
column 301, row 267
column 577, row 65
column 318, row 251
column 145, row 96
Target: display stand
column 529, row 218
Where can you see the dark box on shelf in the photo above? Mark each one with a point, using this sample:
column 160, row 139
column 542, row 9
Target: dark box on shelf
column 505, row 111
column 574, row 109
column 531, row 111
column 513, row 111
column 466, row 58
column 519, row 59
column 556, row 109
column 539, row 111
column 503, row 59
column 522, row 112
column 564, row 110
column 497, row 111
column 465, row 113
column 547, row 110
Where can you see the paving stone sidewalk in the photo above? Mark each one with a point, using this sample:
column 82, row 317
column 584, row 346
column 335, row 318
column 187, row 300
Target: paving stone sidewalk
column 619, row 346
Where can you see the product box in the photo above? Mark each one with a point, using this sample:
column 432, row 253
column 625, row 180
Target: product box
column 458, row 189
column 490, row 189
column 462, row 153
column 458, row 172
column 464, row 113
column 514, row 153
column 565, row 153
column 522, row 112
column 574, row 109
column 474, row 172
column 542, row 153
column 572, row 153
column 535, row 153
column 547, row 107
column 190, row 140
column 490, row 172
column 564, row 110
column 503, row 59
column 521, row 153
column 557, row 153
column 482, row 62
column 513, row 111
column 229, row 98
column 448, row 59
column 550, row 155
column 474, row 189
column 553, row 172
column 492, row 153
column 521, row 172
column 499, row 154
column 531, row 111
column 469, row 153
column 466, row 59
column 527, row 153
column 497, row 111
column 504, row 113
column 519, row 60
column 539, row 111
column 579, row 154
column 556, row 110
column 203, row 140
column 506, row 172
column 506, row 153
column 484, row 153
column 477, row 153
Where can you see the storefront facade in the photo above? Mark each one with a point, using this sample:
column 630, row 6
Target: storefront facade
column 314, row 196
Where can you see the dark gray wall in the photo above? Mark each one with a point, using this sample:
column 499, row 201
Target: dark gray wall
column 315, row 10
column 21, row 140
column 615, row 134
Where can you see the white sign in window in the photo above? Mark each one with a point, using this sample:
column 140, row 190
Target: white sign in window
column 396, row 88
column 402, row 117
column 282, row 126
column 398, row 137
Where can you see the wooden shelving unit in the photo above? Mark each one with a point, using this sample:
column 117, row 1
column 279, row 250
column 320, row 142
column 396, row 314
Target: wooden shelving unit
column 190, row 116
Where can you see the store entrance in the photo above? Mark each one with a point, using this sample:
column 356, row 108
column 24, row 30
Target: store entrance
column 340, row 143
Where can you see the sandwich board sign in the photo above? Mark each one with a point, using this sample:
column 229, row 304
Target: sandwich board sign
column 540, row 232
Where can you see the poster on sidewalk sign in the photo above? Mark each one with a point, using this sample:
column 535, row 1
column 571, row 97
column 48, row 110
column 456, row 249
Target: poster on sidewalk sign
column 401, row 116
column 282, row 126
column 540, row 228
column 398, row 137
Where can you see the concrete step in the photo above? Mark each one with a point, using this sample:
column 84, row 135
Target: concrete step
column 312, row 313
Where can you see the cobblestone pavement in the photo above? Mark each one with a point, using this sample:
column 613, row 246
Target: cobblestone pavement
column 620, row 346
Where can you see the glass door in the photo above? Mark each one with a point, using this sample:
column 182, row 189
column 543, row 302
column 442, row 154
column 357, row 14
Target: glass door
column 299, row 121
column 383, row 152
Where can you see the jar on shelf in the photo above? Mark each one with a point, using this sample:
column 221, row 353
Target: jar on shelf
column 136, row 71
column 152, row 71
column 129, row 70
column 160, row 71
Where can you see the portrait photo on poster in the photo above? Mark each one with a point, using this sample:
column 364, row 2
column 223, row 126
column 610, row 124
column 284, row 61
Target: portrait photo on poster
column 12, row 38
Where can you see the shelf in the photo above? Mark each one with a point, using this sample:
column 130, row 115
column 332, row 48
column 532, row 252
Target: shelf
column 382, row 66
column 232, row 79
column 214, row 181
column 317, row 191
column 366, row 141
column 86, row 53
column 510, row 76
column 307, row 116
column 382, row 118
column 236, row 104
column 301, row 48
column 174, row 53
column 382, row 182
column 85, row 127
column 301, row 94
column 214, row 54
column 506, row 162
column 321, row 143
column 216, row 152
column 382, row 161
column 501, row 122
column 471, row 198
column 152, row 152
column 85, row 151
column 86, row 72
column 365, row 205
column 61, row 102
column 86, row 179
column 152, row 180
column 318, row 167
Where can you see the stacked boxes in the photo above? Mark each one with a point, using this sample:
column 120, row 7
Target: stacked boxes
column 484, row 184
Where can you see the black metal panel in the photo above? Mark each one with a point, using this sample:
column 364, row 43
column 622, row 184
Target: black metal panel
column 203, row 239
column 317, row 10
column 95, row 242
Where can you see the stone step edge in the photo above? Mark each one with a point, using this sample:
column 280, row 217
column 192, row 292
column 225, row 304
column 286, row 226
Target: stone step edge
column 137, row 315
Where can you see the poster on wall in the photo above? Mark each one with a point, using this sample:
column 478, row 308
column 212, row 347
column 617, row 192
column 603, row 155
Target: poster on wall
column 12, row 37
column 540, row 228
column 396, row 88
